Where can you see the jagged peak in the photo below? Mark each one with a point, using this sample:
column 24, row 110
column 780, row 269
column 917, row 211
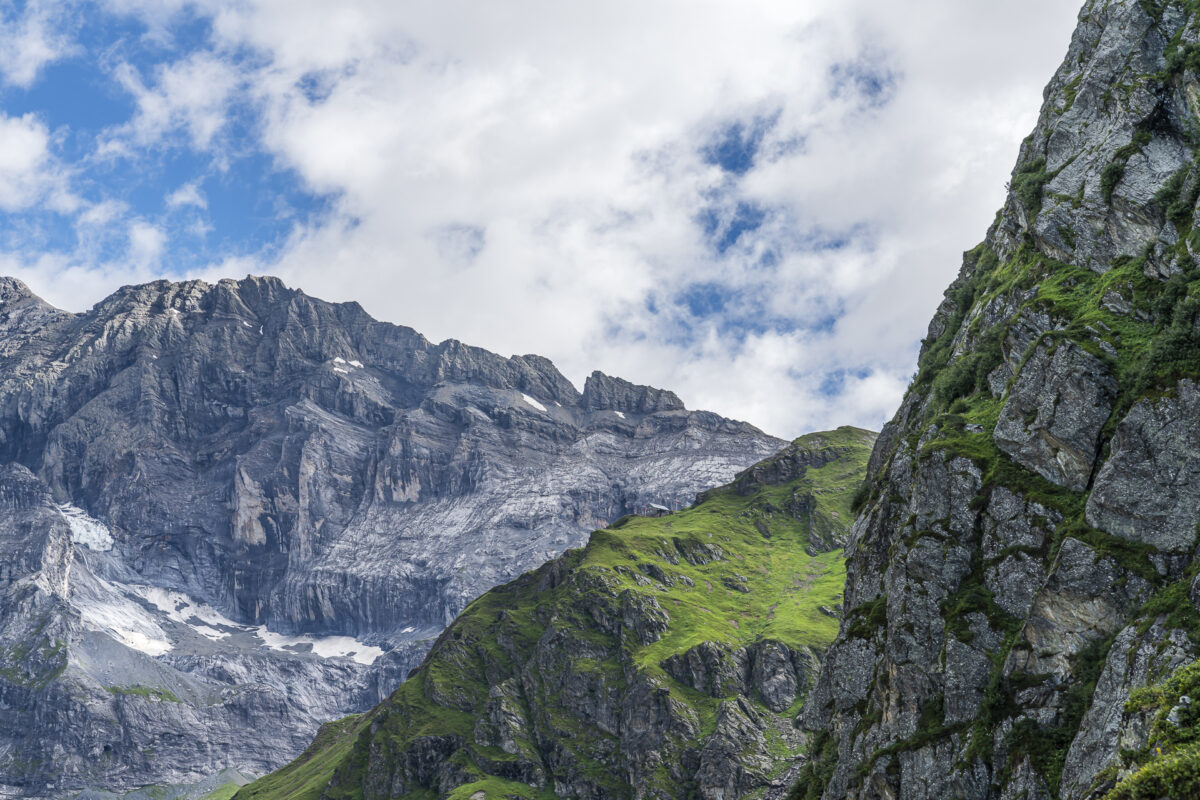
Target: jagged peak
column 605, row 393
column 266, row 300
column 13, row 290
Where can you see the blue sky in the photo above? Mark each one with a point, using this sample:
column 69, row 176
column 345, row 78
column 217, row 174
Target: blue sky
column 207, row 186
column 756, row 205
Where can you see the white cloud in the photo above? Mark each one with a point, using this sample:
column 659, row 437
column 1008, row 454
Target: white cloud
column 528, row 176
column 190, row 95
column 146, row 244
column 187, row 195
column 102, row 213
column 70, row 283
column 29, row 41
column 27, row 170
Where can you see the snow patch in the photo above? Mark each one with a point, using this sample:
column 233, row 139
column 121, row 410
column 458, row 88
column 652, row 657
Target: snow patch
column 356, row 364
column 87, row 531
column 323, row 646
column 102, row 607
column 343, row 371
column 621, row 415
column 247, row 324
column 212, row 624
column 203, row 619
column 339, row 360
column 532, row 402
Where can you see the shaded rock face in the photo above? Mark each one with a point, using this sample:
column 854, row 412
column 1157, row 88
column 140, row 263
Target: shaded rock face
column 267, row 506
column 1023, row 562
column 1054, row 413
column 1149, row 489
column 768, row 671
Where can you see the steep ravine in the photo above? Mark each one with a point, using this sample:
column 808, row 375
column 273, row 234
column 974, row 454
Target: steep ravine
column 666, row 659
column 1021, row 606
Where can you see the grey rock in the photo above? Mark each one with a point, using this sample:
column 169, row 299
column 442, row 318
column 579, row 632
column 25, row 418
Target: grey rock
column 242, row 446
column 924, row 774
column 1149, row 488
column 1094, row 106
column 724, row 771
column 768, row 670
column 1025, row 783
column 1135, row 660
column 1052, row 419
column 70, row 679
column 604, row 393
column 1012, row 522
column 711, row 668
column 1014, row 581
column 773, row 675
column 972, row 566
column 967, row 670
column 1085, row 598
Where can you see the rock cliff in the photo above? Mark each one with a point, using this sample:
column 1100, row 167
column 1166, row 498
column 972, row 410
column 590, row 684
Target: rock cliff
column 1020, row 621
column 668, row 658
column 234, row 512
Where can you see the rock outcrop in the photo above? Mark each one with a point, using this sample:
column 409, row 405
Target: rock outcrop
column 244, row 511
column 1018, row 621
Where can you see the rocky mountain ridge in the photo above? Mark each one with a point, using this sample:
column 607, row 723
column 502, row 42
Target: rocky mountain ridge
column 238, row 509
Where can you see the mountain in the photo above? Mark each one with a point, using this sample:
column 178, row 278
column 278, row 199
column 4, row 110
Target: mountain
column 232, row 512
column 667, row 658
column 1022, row 595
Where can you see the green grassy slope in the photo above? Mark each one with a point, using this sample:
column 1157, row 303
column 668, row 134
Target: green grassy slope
column 557, row 684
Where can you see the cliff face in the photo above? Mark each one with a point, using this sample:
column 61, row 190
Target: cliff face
column 244, row 511
column 1021, row 566
column 668, row 658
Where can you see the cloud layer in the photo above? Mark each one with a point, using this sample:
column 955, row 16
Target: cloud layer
column 755, row 205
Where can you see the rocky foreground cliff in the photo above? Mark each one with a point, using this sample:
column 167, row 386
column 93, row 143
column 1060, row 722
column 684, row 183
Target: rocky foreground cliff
column 231, row 512
column 1021, row 600
column 666, row 659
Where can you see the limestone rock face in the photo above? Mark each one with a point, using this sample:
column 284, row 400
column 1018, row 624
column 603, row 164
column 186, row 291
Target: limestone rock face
column 1149, row 489
column 238, row 512
column 1054, row 413
column 1021, row 616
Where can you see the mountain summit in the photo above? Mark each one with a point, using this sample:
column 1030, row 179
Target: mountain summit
column 236, row 511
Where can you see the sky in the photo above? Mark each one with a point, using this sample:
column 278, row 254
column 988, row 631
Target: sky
column 756, row 204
